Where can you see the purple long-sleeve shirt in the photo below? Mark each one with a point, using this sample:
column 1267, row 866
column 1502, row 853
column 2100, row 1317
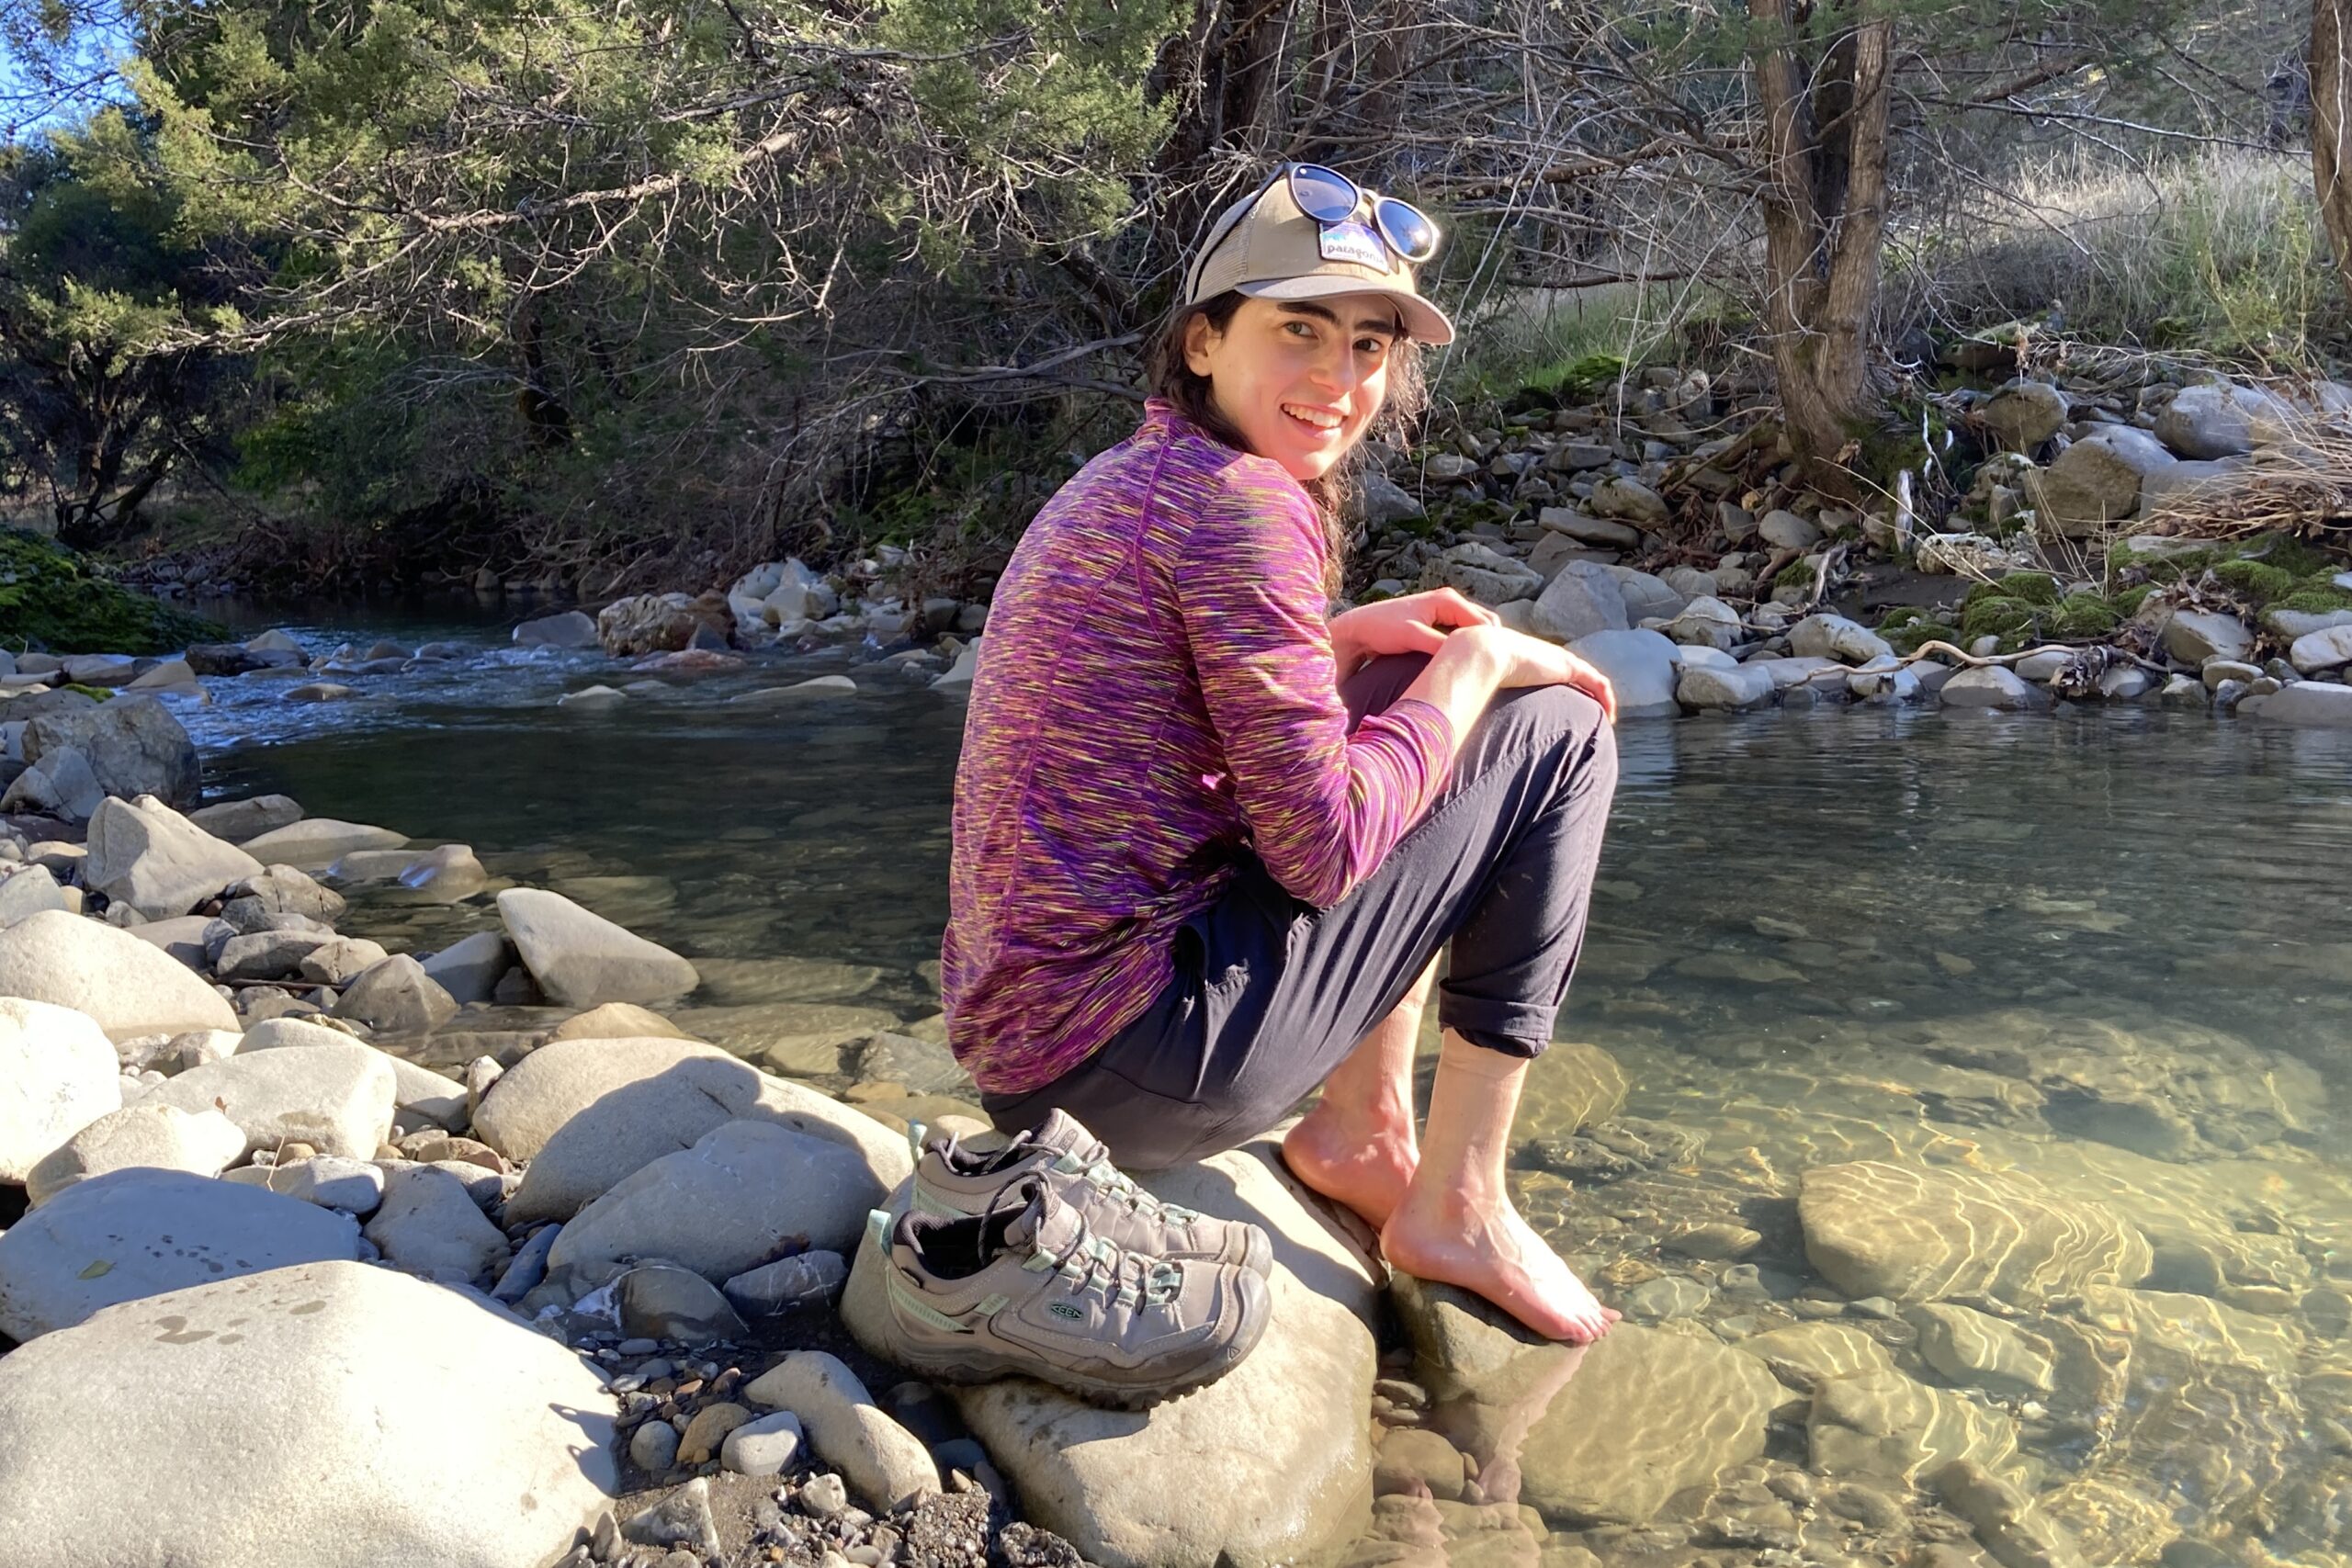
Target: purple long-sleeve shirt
column 1155, row 697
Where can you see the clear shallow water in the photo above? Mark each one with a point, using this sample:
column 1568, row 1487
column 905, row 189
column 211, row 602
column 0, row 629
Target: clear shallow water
column 2107, row 956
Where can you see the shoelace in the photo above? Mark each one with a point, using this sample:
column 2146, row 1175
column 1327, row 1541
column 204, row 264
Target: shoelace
column 1092, row 1263
column 1105, row 1178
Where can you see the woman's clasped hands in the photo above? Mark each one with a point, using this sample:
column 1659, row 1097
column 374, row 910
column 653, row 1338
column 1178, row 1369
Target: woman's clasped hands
column 1422, row 622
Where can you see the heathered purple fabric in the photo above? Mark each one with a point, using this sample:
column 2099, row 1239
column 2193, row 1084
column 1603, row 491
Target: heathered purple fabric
column 1155, row 695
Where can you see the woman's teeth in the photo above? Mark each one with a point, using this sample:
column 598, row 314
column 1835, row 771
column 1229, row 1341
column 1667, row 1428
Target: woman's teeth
column 1317, row 419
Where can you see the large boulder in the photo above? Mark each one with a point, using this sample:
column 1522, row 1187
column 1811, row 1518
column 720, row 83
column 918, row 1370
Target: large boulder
column 2023, row 413
column 726, row 1205
column 579, row 958
column 587, row 1113
column 2095, row 481
column 28, row 890
column 1640, row 667
column 1992, row 686
column 662, row 623
column 1835, row 636
column 160, row 1137
column 60, row 784
column 238, row 820
column 58, row 1074
column 571, row 628
column 133, row 745
column 340, row 1457
column 1583, row 599
column 147, row 855
column 2326, row 707
column 1920, row 1234
column 1262, row 1466
column 397, row 997
column 2218, row 418
column 129, row 987
column 336, row 1097
column 2195, row 636
column 138, row 1233
column 319, row 842
column 1724, row 688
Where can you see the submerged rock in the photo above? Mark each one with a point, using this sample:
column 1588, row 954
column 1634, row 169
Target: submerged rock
column 579, row 958
column 339, row 1459
column 1916, row 1234
column 1881, row 1423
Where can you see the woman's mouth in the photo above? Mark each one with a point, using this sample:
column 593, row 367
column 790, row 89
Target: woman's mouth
column 1318, row 422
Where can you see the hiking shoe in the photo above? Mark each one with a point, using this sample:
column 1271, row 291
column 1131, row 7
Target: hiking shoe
column 953, row 1181
column 1025, row 1288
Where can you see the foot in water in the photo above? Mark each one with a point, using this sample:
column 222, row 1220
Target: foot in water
column 1365, row 1165
column 1490, row 1251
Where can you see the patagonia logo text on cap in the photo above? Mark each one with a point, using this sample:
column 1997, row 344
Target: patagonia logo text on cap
column 1352, row 241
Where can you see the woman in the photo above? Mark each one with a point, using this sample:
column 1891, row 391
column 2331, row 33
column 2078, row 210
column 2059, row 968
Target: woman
column 1209, row 842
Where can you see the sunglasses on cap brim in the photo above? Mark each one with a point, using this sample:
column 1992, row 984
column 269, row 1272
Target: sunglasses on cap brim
column 1328, row 196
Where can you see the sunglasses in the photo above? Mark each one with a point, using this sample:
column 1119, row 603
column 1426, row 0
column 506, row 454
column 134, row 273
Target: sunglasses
column 1328, row 196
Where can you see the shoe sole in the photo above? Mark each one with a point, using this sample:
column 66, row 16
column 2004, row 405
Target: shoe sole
column 967, row 1366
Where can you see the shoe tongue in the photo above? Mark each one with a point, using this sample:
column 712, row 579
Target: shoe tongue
column 1062, row 1132
column 1046, row 1225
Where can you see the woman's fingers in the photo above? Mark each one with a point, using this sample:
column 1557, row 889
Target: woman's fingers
column 1453, row 608
column 1420, row 637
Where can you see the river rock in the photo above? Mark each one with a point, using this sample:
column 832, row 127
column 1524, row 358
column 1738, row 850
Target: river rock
column 733, row 1201
column 617, row 1020
column 141, row 1231
column 163, row 1137
column 266, row 955
column 1645, row 596
column 341, row 960
column 1263, row 1464
column 129, row 987
column 1806, row 1355
column 1480, row 573
column 1881, row 1423
column 1835, row 636
column 133, row 746
column 659, row 623
column 924, row 1067
column 280, row 890
column 1706, row 686
column 58, row 1075
column 2216, row 420
column 803, row 1279
column 332, row 1181
column 336, row 1096
column 1916, row 1234
column 884, row 1464
column 1640, row 667
column 28, row 890
column 256, row 1378
column 1581, row 600
column 1628, row 499
column 2023, row 413
column 1601, row 532
column 60, row 784
column 1980, row 1350
column 661, row 1300
column 427, row 1225
column 2195, row 636
column 397, row 997
column 1992, row 686
column 580, row 959
column 1785, row 530
column 1705, row 622
column 238, row 820
column 2314, row 703
column 572, row 629
column 2316, row 652
column 470, row 968
column 319, row 842
column 2095, row 481
column 150, row 857
column 588, row 1112
column 765, row 1445
column 416, row 1089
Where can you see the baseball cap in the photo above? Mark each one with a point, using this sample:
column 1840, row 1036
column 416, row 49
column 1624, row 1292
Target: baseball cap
column 1265, row 247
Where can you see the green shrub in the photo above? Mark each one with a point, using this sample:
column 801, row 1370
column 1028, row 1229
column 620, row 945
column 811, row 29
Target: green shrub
column 2258, row 580
column 2082, row 615
column 1994, row 614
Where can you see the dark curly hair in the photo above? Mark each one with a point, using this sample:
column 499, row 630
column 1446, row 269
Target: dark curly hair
column 1407, row 395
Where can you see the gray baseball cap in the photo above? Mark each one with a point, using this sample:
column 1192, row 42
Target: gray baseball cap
column 1265, row 247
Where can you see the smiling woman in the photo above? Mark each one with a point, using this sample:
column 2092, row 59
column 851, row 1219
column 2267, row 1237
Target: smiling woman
column 1209, row 838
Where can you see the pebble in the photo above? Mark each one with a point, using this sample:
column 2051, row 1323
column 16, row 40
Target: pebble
column 765, row 1445
column 709, row 1428
column 823, row 1497
column 655, row 1447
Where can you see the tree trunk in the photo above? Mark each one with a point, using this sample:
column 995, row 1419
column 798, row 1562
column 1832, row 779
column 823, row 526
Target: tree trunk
column 1825, row 224
column 2331, row 89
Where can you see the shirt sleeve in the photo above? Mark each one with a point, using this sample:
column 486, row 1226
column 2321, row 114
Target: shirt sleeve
column 1323, row 806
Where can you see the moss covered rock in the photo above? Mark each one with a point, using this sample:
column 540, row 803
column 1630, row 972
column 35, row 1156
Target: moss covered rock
column 1907, row 627
column 2082, row 615
column 50, row 598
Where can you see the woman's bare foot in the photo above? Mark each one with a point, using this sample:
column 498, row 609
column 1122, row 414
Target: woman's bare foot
column 1488, row 1249
column 1364, row 1163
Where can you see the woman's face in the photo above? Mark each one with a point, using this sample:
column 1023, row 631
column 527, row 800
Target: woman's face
column 1300, row 380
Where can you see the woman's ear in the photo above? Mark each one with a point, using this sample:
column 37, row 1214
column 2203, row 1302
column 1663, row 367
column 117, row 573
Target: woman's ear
column 1198, row 334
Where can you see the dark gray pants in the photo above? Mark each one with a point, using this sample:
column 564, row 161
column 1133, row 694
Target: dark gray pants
column 1270, row 993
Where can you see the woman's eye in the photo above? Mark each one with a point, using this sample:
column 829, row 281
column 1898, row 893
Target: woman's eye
column 1299, row 328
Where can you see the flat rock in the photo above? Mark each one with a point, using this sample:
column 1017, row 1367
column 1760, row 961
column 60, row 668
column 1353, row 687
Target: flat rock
column 1916, row 1234
column 924, row 1065
column 731, row 1202
column 163, row 1137
column 256, row 1378
column 238, row 820
column 137, row 1233
column 579, row 958
column 1883, row 1424
column 336, row 1097
column 572, row 628
column 2307, row 702
column 2328, row 649
column 397, row 997
column 1707, row 687
column 1640, row 667
column 588, row 1112
column 129, row 986
column 427, row 1225
column 58, row 1074
column 319, row 842
column 1980, row 1350
column 1266, row 1463
column 280, row 889
column 1480, row 573
column 884, row 1464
